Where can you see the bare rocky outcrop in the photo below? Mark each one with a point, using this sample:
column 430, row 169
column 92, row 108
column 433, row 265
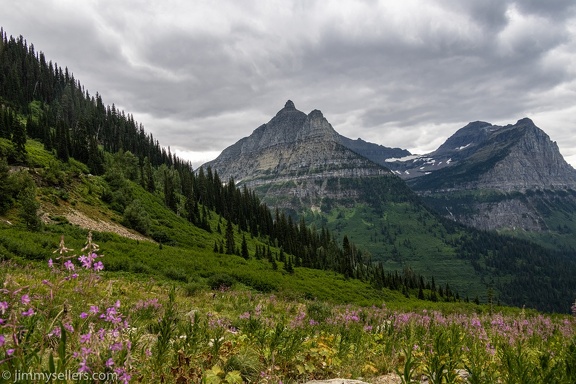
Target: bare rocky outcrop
column 78, row 218
column 291, row 145
column 291, row 157
column 390, row 378
column 516, row 157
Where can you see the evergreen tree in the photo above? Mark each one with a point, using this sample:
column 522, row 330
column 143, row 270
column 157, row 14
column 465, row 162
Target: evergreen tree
column 19, row 141
column 95, row 158
column 28, row 204
column 6, row 187
column 169, row 191
column 148, row 176
column 230, row 244
column 62, row 142
column 4, row 132
column 288, row 266
column 269, row 256
column 244, row 252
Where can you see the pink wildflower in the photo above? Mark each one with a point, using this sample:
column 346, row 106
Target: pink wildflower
column 245, row 315
column 69, row 265
column 85, row 338
column 55, row 332
column 25, row 299
column 101, row 334
column 123, row 376
column 83, row 366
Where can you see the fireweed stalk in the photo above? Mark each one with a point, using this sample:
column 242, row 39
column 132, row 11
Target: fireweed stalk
column 40, row 330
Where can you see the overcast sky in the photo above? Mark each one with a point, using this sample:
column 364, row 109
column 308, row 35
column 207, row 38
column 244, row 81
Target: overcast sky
column 200, row 75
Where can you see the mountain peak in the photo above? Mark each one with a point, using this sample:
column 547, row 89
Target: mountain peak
column 292, row 146
column 316, row 113
column 525, row 121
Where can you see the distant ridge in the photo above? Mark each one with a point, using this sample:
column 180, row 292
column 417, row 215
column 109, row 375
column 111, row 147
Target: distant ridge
column 516, row 157
column 509, row 177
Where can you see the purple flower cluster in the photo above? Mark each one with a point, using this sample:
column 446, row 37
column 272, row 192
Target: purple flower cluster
column 104, row 342
column 346, row 319
column 148, row 304
column 15, row 307
column 88, row 262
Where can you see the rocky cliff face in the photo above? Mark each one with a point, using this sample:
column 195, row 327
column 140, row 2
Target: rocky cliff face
column 293, row 155
column 485, row 176
column 480, row 155
column 531, row 161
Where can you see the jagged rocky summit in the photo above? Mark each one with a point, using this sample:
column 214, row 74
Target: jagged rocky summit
column 298, row 161
column 497, row 177
column 515, row 157
column 292, row 145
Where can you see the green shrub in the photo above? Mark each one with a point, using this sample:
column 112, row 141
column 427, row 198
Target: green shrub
column 117, row 265
column 318, row 311
column 136, row 217
column 176, row 274
column 160, row 236
column 256, row 282
column 193, row 287
column 220, row 281
column 142, row 268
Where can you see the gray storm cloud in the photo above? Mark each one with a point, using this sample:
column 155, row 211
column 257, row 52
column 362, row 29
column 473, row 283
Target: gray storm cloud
column 201, row 75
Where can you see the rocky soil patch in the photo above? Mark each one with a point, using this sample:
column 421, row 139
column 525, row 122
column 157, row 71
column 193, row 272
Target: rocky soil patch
column 83, row 221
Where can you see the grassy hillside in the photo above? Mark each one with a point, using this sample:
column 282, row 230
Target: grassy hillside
column 402, row 238
column 186, row 253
